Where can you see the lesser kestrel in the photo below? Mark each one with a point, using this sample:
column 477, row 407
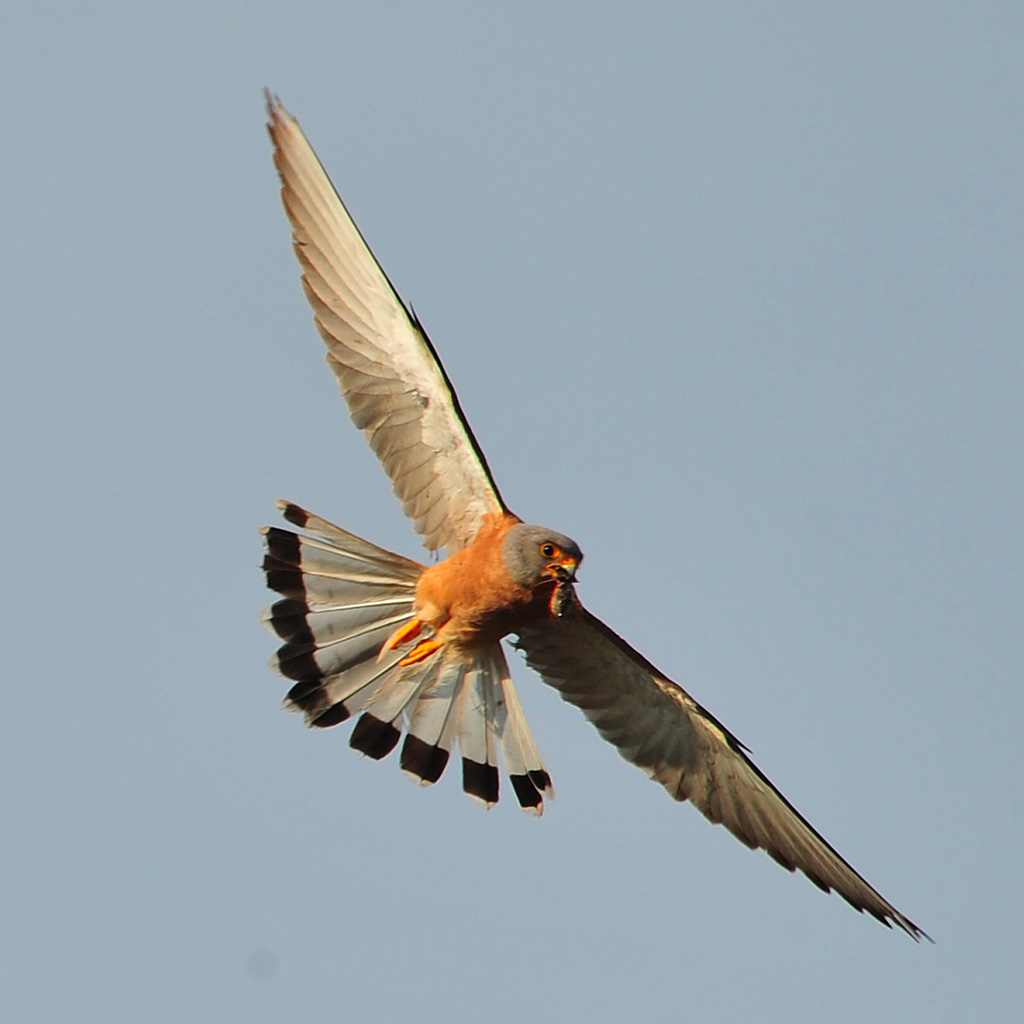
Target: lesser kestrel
column 417, row 650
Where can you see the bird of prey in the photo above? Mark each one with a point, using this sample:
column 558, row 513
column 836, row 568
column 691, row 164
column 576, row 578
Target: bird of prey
column 417, row 649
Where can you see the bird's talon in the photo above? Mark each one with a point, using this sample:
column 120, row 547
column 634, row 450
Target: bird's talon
column 404, row 634
column 424, row 649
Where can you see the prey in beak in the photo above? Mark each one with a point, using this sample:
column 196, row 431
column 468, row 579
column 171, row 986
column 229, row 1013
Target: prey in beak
column 563, row 573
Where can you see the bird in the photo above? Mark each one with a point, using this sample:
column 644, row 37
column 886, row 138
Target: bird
column 407, row 648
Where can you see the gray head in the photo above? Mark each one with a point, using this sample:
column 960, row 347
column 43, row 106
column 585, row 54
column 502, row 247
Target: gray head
column 535, row 554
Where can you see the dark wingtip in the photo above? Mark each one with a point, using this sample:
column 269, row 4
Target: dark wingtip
column 917, row 934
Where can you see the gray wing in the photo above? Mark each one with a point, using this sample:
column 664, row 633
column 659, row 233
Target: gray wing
column 660, row 728
column 396, row 389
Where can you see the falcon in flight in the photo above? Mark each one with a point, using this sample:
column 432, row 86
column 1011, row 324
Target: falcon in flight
column 416, row 649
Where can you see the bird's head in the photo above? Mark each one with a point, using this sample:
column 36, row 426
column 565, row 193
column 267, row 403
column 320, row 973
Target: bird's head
column 535, row 555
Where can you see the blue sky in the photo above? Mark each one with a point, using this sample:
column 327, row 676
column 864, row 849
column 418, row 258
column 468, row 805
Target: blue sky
column 730, row 296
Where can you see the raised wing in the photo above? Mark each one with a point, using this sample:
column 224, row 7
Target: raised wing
column 396, row 389
column 660, row 728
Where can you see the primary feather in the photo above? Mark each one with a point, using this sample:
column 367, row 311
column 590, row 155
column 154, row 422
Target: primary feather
column 396, row 389
column 656, row 725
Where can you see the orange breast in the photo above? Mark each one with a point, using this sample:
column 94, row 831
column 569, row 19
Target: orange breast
column 470, row 599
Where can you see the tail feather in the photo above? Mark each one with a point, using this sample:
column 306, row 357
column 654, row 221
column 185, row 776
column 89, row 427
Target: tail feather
column 526, row 770
column 333, row 654
column 391, row 699
column 291, row 617
column 477, row 721
column 432, row 722
column 349, row 691
column 342, row 600
column 379, row 559
column 374, row 737
column 342, row 597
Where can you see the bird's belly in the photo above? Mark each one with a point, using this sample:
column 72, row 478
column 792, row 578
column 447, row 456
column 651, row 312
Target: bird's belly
column 472, row 606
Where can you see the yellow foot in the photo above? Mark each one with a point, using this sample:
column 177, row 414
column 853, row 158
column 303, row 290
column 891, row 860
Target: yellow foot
column 405, row 633
column 424, row 649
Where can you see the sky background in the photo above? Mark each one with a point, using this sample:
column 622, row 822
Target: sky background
column 731, row 294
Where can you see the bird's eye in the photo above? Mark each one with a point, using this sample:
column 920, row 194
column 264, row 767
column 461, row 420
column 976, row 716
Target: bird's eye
column 547, row 550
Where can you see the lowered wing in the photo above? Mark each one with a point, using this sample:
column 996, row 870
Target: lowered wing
column 660, row 728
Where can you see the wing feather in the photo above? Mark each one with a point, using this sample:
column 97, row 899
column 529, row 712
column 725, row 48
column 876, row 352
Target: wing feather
column 395, row 386
column 659, row 727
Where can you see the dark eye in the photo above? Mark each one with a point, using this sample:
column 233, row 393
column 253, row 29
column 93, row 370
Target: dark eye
column 547, row 550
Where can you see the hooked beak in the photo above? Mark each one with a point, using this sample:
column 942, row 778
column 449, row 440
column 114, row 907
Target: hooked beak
column 564, row 571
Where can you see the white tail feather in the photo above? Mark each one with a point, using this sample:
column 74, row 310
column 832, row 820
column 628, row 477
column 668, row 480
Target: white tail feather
column 343, row 600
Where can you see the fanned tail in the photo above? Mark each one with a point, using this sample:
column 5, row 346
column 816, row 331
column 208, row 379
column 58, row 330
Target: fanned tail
column 342, row 600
